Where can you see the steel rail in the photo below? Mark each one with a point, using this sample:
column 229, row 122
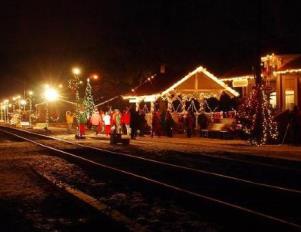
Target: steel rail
column 234, row 159
column 200, row 171
column 165, row 185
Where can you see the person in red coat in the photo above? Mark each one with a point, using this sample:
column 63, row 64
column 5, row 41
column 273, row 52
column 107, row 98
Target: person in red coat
column 126, row 120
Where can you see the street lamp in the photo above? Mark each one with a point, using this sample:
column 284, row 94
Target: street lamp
column 75, row 85
column 95, row 77
column 23, row 103
column 29, row 99
column 76, row 71
column 17, row 98
column 50, row 94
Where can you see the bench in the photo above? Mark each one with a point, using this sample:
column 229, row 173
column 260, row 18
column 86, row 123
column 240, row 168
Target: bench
column 216, row 130
column 24, row 124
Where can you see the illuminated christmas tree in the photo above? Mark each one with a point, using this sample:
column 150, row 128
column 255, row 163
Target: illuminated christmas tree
column 256, row 117
column 88, row 99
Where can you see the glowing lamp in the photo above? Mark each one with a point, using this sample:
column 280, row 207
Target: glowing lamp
column 51, row 94
column 23, row 102
column 76, row 71
column 95, row 77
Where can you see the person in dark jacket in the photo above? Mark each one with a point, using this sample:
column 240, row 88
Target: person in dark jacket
column 156, row 124
column 189, row 124
column 169, row 123
column 133, row 123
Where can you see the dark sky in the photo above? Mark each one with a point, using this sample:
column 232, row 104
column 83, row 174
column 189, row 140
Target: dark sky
column 123, row 40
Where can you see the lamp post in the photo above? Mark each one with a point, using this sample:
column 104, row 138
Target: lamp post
column 74, row 85
column 50, row 95
column 23, row 103
column 17, row 99
column 29, row 99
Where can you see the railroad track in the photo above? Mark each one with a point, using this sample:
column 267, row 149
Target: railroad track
column 267, row 203
column 251, row 160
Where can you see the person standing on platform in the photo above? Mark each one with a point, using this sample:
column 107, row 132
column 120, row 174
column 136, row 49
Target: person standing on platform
column 117, row 120
column 189, row 124
column 126, row 120
column 96, row 121
column 156, row 124
column 133, row 123
column 107, row 123
column 169, row 123
column 83, row 118
column 69, row 121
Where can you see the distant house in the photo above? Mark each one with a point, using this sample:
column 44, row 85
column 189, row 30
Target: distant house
column 282, row 75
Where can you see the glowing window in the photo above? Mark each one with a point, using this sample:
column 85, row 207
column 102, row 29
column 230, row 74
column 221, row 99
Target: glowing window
column 273, row 99
column 289, row 99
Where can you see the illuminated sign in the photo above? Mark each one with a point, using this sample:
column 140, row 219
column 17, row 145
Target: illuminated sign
column 240, row 83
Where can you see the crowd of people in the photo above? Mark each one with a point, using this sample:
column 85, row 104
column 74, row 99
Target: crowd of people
column 101, row 122
column 129, row 122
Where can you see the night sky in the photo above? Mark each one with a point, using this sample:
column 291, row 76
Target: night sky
column 125, row 40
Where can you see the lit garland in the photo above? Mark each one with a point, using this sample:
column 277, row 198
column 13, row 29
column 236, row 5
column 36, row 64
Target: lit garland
column 151, row 98
column 147, row 80
column 288, row 71
column 246, row 77
column 201, row 69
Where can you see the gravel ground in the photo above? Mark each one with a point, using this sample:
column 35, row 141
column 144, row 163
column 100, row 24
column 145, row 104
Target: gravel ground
column 28, row 203
column 150, row 213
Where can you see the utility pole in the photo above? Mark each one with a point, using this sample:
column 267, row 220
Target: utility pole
column 258, row 77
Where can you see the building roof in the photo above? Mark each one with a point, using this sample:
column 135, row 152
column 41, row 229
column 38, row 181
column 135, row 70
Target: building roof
column 198, row 80
column 239, row 71
column 158, row 83
column 294, row 64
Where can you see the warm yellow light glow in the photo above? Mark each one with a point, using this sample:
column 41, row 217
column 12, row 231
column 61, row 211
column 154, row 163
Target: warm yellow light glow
column 201, row 69
column 30, row 93
column 76, row 71
column 51, row 94
column 238, row 78
column 95, row 77
column 5, row 101
column 60, row 86
column 23, row 102
column 81, row 82
column 288, row 71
